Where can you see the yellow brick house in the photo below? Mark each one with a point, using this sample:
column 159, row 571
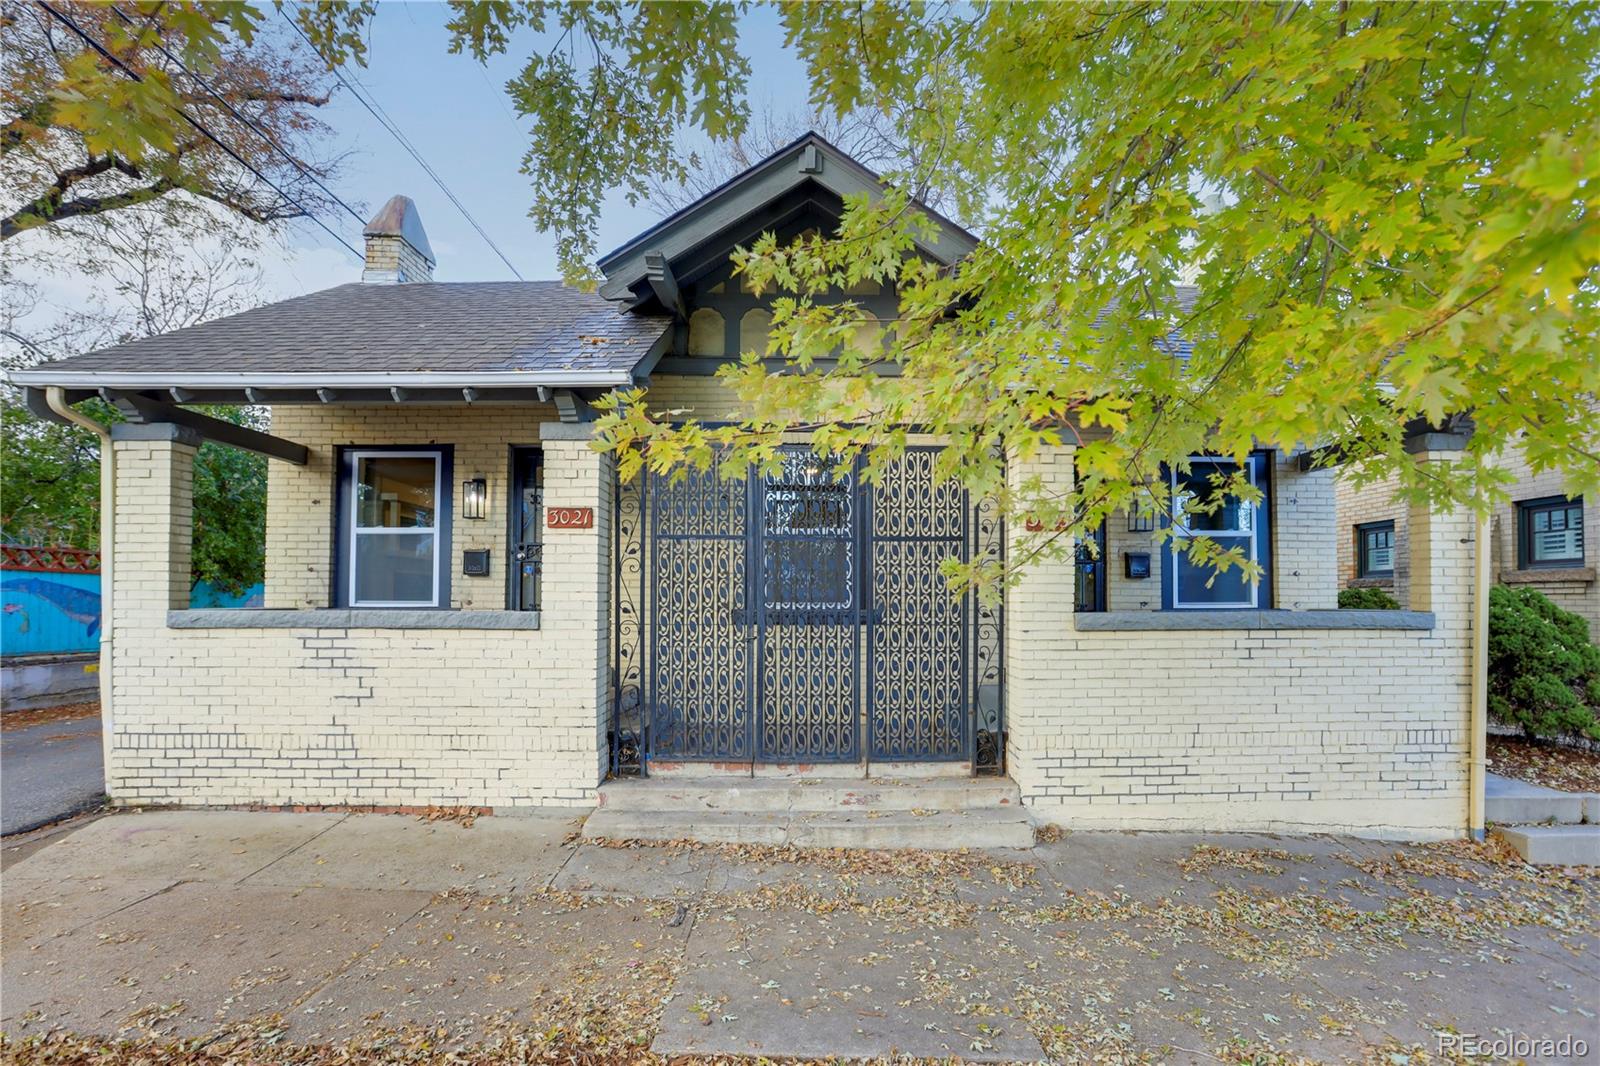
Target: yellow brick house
column 464, row 606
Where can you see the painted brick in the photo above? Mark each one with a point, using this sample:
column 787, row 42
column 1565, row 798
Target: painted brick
column 1358, row 731
column 412, row 717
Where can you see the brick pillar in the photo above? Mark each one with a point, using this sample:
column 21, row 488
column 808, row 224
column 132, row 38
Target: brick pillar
column 1039, row 631
column 150, row 551
column 1443, row 552
column 576, row 583
column 154, row 522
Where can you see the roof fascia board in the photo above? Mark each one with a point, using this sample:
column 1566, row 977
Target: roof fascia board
column 110, row 379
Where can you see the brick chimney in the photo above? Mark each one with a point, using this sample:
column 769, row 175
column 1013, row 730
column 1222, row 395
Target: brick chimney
column 397, row 245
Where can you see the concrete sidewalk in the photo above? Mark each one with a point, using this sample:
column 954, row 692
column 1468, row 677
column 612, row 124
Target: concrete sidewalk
column 296, row 929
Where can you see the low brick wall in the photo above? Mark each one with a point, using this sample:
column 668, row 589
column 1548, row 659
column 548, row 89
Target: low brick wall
column 1256, row 725
column 337, row 713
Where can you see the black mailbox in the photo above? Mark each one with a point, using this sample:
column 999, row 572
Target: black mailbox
column 475, row 562
column 1136, row 564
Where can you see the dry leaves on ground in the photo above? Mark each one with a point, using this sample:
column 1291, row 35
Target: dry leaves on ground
column 69, row 712
column 1550, row 765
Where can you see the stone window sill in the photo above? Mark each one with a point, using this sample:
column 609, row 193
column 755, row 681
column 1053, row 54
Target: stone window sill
column 1371, row 583
column 1548, row 575
column 344, row 618
column 1208, row 619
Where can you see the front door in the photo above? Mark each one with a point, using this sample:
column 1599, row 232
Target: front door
column 802, row 617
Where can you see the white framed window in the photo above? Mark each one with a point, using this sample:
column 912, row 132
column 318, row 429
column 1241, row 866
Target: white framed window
column 395, row 519
column 1230, row 522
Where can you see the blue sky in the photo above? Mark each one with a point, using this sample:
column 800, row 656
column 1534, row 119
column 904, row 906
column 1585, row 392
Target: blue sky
column 456, row 112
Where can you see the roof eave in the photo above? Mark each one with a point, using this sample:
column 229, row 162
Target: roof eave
column 111, row 379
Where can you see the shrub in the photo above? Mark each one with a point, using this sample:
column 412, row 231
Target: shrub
column 1544, row 672
column 1367, row 600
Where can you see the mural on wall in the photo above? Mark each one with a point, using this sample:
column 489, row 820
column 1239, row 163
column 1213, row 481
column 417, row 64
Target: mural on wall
column 49, row 601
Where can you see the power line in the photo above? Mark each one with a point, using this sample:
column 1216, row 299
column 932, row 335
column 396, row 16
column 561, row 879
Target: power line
column 213, row 138
column 251, row 123
column 376, row 111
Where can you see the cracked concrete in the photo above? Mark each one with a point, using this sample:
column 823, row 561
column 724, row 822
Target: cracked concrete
column 330, row 928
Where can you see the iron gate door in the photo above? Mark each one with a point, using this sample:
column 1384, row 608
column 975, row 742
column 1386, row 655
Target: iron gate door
column 784, row 618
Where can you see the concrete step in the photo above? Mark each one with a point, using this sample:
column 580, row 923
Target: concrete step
column 780, row 795
column 1554, row 845
column 1507, row 801
column 938, row 830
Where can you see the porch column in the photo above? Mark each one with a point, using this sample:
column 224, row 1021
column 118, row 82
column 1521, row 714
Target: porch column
column 576, row 584
column 151, row 544
column 1039, row 636
column 1443, row 553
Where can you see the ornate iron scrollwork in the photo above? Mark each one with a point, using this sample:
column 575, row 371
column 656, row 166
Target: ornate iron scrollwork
column 626, row 731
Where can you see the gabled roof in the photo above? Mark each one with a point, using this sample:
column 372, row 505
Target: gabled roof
column 809, row 163
column 505, row 333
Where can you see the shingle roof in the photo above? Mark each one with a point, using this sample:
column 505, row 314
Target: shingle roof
column 447, row 327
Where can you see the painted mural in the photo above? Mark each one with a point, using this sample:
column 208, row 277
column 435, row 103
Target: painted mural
column 50, row 600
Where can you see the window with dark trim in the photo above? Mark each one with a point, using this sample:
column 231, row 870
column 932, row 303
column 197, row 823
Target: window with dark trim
column 527, row 516
column 1375, row 549
column 1090, row 558
column 394, row 516
column 1550, row 533
column 1201, row 507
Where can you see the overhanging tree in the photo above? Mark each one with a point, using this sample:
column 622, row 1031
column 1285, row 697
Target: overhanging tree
column 107, row 106
column 1391, row 206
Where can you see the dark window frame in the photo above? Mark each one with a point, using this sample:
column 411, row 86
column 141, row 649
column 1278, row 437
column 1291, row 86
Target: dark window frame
column 1091, row 572
column 344, row 481
column 1526, row 509
column 516, row 482
column 1363, row 569
column 1262, row 596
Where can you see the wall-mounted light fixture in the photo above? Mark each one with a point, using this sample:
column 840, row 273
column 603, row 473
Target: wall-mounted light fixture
column 1141, row 523
column 475, row 498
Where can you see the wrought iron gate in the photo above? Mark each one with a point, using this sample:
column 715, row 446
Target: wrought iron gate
column 802, row 618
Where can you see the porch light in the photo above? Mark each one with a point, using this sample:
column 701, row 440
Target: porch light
column 1141, row 523
column 475, row 498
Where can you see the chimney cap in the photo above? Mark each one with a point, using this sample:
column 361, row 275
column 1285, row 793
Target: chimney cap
column 399, row 218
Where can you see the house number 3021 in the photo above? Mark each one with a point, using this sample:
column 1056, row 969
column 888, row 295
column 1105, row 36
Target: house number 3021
column 569, row 517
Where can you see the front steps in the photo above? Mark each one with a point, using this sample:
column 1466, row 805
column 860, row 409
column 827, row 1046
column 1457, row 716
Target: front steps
column 1544, row 826
column 935, row 813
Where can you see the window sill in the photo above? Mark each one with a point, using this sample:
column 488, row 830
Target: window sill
column 345, row 618
column 1371, row 582
column 1542, row 575
column 1223, row 619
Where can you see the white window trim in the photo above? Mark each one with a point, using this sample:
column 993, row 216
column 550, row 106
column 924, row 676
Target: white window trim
column 1181, row 530
column 354, row 457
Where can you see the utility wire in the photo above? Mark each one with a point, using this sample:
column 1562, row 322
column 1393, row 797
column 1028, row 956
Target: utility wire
column 213, row 138
column 376, row 111
column 251, row 123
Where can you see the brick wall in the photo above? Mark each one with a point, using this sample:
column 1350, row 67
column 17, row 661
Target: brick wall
column 1303, row 529
column 1348, row 730
column 393, row 259
column 1575, row 589
column 501, row 718
column 300, row 499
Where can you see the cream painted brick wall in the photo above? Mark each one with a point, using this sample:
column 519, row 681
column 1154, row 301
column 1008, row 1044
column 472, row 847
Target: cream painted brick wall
column 1358, row 731
column 358, row 716
column 300, row 499
column 1303, row 528
column 1376, row 502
